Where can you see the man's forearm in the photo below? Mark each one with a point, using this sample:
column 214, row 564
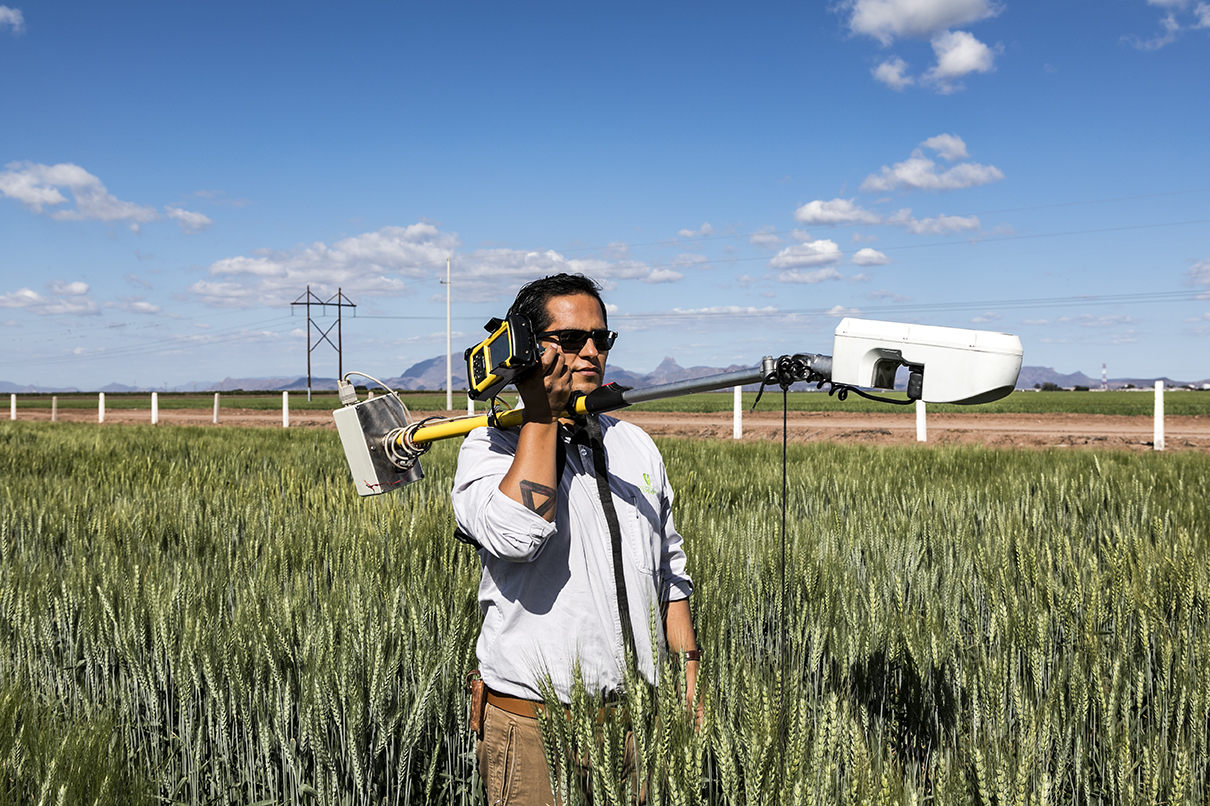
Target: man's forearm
column 531, row 481
column 678, row 629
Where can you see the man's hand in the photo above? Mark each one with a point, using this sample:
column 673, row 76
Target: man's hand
column 546, row 389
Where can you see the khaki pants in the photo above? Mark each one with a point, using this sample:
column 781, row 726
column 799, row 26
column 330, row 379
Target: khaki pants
column 512, row 763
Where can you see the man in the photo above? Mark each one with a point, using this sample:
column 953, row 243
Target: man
column 549, row 596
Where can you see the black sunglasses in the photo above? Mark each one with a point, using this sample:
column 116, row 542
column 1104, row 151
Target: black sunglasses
column 573, row 340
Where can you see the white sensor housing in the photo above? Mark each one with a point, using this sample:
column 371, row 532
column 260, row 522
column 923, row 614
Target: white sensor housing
column 959, row 365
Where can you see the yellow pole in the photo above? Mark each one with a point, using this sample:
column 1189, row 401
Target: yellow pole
column 463, row 426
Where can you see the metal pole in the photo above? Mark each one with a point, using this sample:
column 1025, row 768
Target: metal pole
column 155, row 408
column 285, row 409
column 737, row 414
column 216, row 408
column 449, row 361
column 101, row 408
column 1159, row 416
column 706, row 384
column 308, row 344
column 340, row 356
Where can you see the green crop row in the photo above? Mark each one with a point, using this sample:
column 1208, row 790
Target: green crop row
column 203, row 616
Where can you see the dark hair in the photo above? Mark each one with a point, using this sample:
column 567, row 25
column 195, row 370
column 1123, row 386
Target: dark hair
column 532, row 299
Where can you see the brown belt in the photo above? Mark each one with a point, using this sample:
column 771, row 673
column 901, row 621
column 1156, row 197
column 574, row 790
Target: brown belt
column 531, row 708
column 515, row 705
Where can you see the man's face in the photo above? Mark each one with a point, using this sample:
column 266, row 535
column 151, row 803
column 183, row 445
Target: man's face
column 578, row 312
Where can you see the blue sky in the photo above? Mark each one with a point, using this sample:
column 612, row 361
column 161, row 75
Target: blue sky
column 172, row 175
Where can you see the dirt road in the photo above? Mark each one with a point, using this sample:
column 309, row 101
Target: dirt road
column 1001, row 430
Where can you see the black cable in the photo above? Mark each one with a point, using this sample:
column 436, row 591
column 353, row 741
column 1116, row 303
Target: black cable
column 785, row 431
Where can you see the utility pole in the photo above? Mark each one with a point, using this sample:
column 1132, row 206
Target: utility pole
column 449, row 361
column 340, row 302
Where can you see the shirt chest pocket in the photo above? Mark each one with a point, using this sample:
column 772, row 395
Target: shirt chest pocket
column 639, row 526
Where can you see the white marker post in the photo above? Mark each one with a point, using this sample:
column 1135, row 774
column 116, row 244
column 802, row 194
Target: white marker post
column 101, row 408
column 1159, row 416
column 12, row 407
column 922, row 433
column 470, row 405
column 155, row 408
column 285, row 409
column 737, row 417
column 216, row 408
column 54, row 408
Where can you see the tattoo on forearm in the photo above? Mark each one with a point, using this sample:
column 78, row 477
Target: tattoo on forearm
column 529, row 489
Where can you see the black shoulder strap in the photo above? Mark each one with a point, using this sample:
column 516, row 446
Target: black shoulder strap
column 615, row 532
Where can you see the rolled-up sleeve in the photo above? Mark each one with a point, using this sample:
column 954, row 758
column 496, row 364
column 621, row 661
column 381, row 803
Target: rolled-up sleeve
column 502, row 526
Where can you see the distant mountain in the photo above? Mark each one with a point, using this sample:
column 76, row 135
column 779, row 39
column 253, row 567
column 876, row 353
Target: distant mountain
column 429, row 374
column 1037, row 376
column 14, row 389
column 1031, row 376
column 267, row 384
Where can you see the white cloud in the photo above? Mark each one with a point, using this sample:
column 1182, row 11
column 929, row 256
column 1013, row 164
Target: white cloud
column 13, row 18
column 390, row 262
column 1035, row 321
column 809, row 277
column 765, row 237
column 135, row 303
column 840, row 311
column 949, row 147
column 989, row 316
column 893, row 73
column 870, row 257
column 734, row 310
column 37, row 187
column 883, row 293
column 662, row 276
column 1170, row 25
column 958, row 54
column 189, row 221
column 374, row 263
column 1199, row 273
column 700, row 232
column 1088, row 320
column 811, row 253
column 939, row 225
column 918, row 172
column 689, row 259
column 65, row 299
column 9, row 323
column 887, row 20
column 836, row 211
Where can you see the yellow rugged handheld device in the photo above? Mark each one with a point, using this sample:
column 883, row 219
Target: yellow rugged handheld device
column 508, row 353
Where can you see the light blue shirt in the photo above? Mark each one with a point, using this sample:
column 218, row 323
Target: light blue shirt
column 547, row 591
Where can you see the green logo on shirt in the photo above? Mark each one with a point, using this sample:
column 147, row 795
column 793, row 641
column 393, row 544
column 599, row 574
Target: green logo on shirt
column 647, row 486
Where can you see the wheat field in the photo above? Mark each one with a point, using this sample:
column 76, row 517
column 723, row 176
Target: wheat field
column 195, row 616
